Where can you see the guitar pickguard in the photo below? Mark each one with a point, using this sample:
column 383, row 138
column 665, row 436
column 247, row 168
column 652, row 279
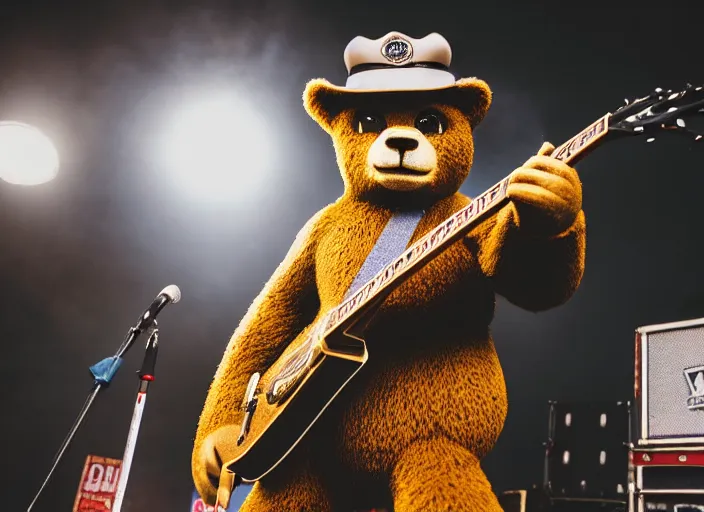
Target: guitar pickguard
column 296, row 367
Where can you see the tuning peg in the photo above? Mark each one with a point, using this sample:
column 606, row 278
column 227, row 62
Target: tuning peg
column 658, row 90
column 626, row 100
column 680, row 123
column 650, row 139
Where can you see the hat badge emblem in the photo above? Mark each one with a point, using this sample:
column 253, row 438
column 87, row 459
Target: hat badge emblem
column 397, row 50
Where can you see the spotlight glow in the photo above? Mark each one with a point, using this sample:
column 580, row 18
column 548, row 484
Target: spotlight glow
column 218, row 149
column 27, row 156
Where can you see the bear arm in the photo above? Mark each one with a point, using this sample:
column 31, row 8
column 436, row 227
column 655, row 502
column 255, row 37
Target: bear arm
column 534, row 273
column 286, row 305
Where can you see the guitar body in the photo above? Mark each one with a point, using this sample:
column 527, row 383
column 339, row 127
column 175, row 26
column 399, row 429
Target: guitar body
column 274, row 429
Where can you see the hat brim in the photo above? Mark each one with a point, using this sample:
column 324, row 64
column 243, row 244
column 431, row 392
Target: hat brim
column 323, row 100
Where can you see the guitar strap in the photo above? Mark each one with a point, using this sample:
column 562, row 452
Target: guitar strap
column 390, row 244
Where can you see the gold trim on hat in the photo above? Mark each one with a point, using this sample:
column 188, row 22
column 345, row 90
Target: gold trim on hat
column 397, row 60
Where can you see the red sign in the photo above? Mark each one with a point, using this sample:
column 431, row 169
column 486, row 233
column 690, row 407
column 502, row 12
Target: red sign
column 96, row 492
column 200, row 506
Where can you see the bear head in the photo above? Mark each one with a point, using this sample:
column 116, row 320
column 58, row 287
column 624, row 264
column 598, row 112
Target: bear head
column 401, row 148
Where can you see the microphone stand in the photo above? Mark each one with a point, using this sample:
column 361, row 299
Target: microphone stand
column 146, row 375
column 104, row 371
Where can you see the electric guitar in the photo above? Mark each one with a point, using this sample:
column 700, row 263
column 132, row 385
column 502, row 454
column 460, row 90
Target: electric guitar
column 282, row 404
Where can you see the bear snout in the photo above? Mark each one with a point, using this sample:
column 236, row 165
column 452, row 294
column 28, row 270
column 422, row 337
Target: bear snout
column 402, row 144
column 402, row 158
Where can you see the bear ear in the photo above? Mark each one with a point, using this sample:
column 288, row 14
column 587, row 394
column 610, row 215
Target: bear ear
column 473, row 98
column 320, row 101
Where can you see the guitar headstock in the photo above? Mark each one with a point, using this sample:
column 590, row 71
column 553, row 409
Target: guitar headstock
column 662, row 110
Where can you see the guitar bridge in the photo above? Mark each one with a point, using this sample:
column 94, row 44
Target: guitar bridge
column 250, row 404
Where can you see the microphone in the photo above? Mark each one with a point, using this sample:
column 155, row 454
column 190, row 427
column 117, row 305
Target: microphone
column 169, row 295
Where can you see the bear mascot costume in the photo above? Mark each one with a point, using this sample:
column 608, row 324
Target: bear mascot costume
column 408, row 432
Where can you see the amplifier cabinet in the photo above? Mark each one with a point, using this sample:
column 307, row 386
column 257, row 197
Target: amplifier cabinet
column 670, row 503
column 669, row 470
column 669, row 383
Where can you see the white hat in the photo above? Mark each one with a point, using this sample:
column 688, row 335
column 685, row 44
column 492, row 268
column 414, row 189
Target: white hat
column 397, row 63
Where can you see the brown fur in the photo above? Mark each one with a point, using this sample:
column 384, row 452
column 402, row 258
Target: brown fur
column 410, row 429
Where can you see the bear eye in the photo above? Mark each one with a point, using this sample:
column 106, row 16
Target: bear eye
column 431, row 122
column 367, row 122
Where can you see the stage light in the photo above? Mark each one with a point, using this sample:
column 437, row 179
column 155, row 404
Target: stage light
column 217, row 149
column 27, row 156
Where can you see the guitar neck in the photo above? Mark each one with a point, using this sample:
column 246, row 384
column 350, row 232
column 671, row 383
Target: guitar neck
column 442, row 236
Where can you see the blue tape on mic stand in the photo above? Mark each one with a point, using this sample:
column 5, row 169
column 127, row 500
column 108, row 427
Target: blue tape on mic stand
column 106, row 369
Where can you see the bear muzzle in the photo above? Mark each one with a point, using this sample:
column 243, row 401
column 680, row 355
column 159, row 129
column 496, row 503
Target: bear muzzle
column 402, row 159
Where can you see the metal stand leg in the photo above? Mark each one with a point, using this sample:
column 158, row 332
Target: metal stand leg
column 64, row 446
column 146, row 375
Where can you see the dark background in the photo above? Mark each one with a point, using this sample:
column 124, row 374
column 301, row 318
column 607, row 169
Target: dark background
column 82, row 256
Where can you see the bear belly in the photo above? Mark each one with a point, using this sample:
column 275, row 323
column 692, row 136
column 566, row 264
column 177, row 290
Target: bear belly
column 456, row 389
column 432, row 368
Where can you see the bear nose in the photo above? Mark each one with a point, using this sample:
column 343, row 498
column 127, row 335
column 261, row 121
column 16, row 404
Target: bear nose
column 402, row 144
